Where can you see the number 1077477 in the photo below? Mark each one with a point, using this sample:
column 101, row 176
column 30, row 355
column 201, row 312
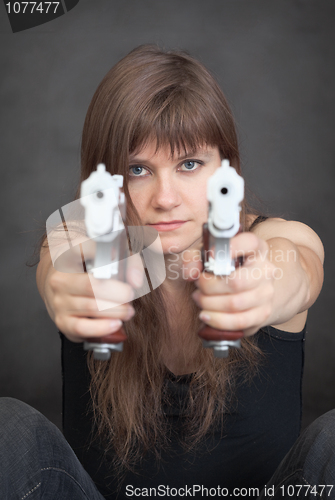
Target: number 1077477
column 301, row 490
column 31, row 7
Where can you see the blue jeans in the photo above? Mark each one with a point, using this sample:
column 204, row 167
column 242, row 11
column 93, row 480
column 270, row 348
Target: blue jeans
column 308, row 469
column 36, row 462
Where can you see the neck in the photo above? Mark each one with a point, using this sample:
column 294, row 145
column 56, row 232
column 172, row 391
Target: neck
column 175, row 280
column 182, row 343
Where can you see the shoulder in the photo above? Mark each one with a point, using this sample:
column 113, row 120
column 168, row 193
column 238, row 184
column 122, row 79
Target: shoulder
column 297, row 232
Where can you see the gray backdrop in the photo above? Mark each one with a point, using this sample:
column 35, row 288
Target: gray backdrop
column 275, row 62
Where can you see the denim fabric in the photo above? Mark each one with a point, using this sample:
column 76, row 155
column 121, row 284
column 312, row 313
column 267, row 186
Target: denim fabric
column 310, row 464
column 36, row 461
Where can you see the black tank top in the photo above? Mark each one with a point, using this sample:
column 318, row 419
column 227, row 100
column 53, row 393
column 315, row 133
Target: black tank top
column 259, row 430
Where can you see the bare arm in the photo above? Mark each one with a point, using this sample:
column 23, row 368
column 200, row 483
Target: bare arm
column 297, row 252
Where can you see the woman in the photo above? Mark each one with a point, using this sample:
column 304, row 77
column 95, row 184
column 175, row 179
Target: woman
column 165, row 411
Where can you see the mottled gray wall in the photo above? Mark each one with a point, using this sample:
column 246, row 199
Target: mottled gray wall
column 275, row 61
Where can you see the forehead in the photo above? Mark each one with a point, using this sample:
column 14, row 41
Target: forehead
column 150, row 151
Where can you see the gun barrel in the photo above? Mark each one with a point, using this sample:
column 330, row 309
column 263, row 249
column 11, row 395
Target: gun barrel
column 102, row 198
column 225, row 192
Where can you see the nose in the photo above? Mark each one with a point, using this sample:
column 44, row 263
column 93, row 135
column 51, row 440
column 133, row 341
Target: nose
column 165, row 194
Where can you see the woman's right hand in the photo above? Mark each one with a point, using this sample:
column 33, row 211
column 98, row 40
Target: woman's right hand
column 72, row 304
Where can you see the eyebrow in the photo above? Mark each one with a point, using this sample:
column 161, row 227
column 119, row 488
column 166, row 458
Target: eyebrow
column 205, row 155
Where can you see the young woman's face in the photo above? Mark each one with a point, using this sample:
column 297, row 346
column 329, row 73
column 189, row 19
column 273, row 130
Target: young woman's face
column 169, row 193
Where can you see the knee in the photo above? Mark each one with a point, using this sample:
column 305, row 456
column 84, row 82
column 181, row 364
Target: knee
column 318, row 445
column 323, row 429
column 11, row 406
column 19, row 419
column 15, row 413
column 312, row 457
column 24, row 429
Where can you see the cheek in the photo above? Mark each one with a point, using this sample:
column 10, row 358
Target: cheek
column 200, row 203
column 137, row 199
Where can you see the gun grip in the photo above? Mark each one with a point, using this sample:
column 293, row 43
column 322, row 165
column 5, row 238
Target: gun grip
column 210, row 333
column 112, row 338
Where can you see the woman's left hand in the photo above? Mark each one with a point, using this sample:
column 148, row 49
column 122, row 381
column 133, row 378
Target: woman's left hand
column 244, row 299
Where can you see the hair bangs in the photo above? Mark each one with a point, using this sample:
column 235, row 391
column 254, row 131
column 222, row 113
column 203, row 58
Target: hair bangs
column 176, row 120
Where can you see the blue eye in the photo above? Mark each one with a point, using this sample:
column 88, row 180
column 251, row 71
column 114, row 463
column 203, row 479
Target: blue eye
column 136, row 170
column 190, row 165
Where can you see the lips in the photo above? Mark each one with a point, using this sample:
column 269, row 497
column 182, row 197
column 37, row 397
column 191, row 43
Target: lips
column 166, row 222
column 168, row 225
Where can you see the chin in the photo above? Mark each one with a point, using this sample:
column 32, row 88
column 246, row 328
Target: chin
column 177, row 248
column 176, row 244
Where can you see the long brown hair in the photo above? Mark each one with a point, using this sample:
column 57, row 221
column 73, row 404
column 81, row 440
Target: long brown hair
column 172, row 99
